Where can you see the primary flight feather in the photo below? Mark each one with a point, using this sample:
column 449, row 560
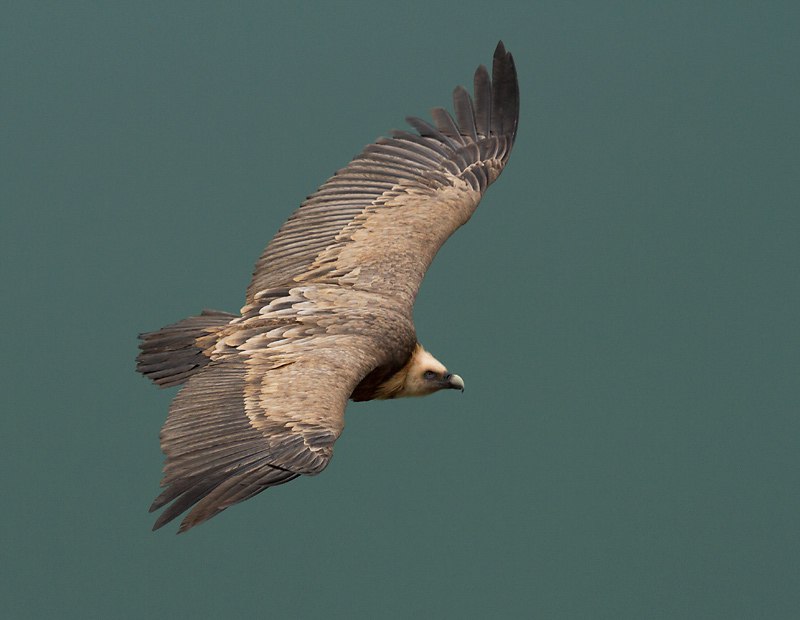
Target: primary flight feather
column 328, row 316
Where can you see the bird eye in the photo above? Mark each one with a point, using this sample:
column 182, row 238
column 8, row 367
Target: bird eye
column 429, row 374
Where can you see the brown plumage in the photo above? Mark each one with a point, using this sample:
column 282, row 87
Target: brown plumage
column 328, row 315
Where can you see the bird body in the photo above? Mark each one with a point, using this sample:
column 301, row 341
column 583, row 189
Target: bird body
column 328, row 313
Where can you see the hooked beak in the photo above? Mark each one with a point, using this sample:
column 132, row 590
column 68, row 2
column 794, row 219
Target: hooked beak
column 454, row 382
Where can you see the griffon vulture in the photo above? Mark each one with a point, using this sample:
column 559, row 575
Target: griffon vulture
column 328, row 315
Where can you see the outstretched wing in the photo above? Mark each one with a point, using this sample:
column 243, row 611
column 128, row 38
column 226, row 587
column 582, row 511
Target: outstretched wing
column 270, row 404
column 378, row 223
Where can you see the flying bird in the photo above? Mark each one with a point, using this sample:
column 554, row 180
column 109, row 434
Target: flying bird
column 328, row 313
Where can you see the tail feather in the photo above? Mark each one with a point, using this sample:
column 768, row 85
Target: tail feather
column 174, row 353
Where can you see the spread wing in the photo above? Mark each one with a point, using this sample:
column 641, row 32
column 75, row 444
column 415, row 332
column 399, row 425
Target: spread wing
column 270, row 404
column 378, row 223
column 233, row 431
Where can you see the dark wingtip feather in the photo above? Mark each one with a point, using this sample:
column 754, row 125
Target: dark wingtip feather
column 505, row 93
column 427, row 130
column 482, row 85
column 494, row 112
column 465, row 113
column 446, row 124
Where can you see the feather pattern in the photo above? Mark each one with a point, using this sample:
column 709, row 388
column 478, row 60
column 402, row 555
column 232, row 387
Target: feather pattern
column 404, row 162
column 328, row 314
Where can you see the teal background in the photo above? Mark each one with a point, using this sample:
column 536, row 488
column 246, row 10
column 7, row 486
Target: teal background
column 623, row 307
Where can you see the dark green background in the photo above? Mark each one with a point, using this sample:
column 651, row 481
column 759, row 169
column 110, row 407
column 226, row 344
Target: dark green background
column 623, row 307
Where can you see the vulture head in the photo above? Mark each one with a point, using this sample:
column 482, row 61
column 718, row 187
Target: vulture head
column 422, row 375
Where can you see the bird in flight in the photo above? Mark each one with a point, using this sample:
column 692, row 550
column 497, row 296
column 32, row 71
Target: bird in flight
column 328, row 313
